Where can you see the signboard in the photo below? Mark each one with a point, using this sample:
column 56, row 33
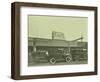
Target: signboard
column 58, row 35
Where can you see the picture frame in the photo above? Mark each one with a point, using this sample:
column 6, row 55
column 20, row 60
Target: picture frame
column 26, row 16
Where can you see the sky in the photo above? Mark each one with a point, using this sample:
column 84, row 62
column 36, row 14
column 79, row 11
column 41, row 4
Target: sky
column 72, row 27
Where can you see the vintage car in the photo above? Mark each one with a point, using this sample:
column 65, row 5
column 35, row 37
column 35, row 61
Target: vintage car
column 52, row 55
column 79, row 54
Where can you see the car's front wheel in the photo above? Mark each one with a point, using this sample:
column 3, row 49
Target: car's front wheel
column 52, row 60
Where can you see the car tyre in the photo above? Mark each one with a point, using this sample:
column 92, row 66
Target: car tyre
column 52, row 60
column 68, row 59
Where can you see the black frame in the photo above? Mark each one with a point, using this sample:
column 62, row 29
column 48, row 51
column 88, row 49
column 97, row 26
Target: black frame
column 15, row 39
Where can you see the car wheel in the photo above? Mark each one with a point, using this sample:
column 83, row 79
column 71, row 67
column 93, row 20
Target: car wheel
column 68, row 59
column 52, row 60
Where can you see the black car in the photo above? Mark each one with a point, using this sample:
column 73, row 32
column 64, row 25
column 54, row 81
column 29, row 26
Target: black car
column 53, row 55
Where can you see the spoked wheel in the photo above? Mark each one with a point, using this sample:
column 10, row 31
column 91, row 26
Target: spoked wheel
column 52, row 60
column 68, row 59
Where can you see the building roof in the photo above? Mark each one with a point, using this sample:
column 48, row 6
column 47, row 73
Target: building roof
column 48, row 42
column 53, row 42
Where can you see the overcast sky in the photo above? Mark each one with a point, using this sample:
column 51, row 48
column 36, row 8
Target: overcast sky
column 72, row 27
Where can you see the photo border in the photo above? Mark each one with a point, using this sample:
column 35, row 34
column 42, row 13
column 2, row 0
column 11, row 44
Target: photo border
column 15, row 39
